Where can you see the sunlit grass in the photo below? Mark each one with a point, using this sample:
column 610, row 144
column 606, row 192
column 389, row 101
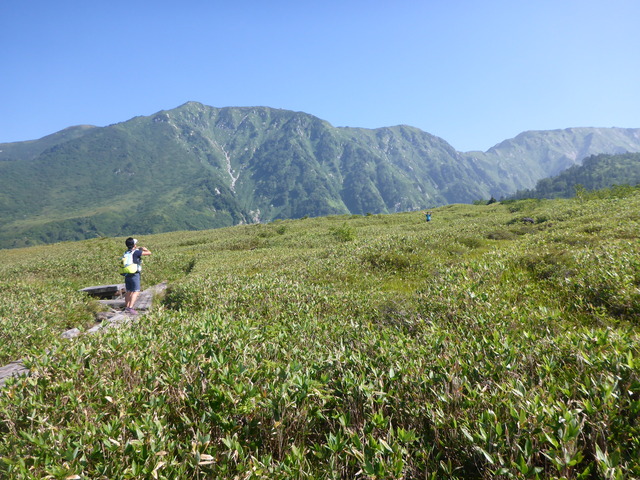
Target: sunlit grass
column 381, row 346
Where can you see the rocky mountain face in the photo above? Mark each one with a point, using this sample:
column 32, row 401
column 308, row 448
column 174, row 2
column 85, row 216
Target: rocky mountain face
column 198, row 167
column 535, row 155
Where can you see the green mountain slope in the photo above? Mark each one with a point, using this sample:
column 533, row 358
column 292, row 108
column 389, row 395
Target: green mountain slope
column 595, row 173
column 21, row 151
column 534, row 155
column 198, row 167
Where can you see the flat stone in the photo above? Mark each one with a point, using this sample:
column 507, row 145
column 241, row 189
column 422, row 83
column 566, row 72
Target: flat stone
column 101, row 316
column 14, row 369
column 95, row 329
column 74, row 332
column 112, row 303
column 117, row 320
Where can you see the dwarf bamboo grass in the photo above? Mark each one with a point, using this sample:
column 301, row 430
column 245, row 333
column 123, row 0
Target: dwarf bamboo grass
column 340, row 347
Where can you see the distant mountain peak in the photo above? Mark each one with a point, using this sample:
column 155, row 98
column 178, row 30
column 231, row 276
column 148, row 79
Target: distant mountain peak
column 197, row 167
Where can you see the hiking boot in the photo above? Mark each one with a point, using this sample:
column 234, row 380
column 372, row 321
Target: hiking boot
column 130, row 311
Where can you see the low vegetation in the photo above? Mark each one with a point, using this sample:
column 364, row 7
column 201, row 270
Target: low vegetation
column 477, row 345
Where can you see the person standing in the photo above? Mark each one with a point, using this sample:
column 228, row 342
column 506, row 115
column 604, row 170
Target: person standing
column 132, row 280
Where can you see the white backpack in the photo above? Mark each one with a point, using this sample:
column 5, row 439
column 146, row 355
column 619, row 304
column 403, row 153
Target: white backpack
column 126, row 263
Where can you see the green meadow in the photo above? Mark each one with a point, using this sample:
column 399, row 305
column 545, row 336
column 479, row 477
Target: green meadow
column 475, row 346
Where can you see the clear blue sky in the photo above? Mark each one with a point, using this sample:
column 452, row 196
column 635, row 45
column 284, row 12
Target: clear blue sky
column 472, row 72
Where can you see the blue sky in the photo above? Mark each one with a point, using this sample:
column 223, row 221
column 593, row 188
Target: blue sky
column 472, row 72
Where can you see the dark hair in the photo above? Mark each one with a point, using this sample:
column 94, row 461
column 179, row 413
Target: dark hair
column 129, row 242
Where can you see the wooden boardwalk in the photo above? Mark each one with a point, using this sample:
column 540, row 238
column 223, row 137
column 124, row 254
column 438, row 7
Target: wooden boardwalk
column 111, row 319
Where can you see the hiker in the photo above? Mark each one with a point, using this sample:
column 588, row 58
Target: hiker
column 427, row 216
column 132, row 280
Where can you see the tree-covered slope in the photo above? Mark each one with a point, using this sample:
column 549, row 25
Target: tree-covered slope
column 595, row 173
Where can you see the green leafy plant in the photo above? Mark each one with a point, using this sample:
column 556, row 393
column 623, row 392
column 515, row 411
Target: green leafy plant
column 409, row 351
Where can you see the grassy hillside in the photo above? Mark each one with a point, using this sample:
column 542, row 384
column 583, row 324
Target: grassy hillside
column 382, row 346
column 197, row 167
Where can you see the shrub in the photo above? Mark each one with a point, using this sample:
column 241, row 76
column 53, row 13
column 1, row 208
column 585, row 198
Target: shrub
column 344, row 233
column 501, row 235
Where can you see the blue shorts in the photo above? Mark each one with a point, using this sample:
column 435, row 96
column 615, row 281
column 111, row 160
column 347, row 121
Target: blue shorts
column 132, row 282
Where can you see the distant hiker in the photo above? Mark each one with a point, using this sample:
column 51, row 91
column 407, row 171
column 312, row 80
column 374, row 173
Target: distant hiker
column 132, row 280
column 427, row 216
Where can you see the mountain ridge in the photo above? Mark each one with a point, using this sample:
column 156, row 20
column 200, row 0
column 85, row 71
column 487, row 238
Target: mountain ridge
column 198, row 167
column 595, row 173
